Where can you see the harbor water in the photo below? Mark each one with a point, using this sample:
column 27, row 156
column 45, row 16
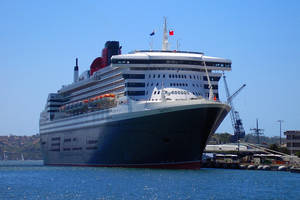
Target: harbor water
column 32, row 180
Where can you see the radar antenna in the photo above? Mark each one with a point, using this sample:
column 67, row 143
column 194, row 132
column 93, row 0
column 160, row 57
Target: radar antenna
column 211, row 94
column 165, row 42
column 257, row 131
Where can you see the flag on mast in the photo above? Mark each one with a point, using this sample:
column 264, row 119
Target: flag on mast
column 171, row 32
column 153, row 33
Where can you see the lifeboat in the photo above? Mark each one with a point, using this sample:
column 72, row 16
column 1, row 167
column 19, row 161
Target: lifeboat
column 89, row 105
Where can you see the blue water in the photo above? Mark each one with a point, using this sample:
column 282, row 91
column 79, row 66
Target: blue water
column 32, row 180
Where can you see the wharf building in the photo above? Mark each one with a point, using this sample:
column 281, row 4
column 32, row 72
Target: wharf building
column 293, row 140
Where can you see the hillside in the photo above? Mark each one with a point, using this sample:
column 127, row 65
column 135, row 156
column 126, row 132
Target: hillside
column 12, row 147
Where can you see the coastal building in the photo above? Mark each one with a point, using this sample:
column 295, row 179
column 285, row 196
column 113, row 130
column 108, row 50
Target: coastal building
column 293, row 140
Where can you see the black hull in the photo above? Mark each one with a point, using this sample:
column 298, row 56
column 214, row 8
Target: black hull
column 165, row 140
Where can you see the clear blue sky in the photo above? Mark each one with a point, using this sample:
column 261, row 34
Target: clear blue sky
column 39, row 41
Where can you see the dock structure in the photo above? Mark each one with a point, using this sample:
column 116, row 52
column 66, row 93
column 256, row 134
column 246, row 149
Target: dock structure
column 293, row 141
column 248, row 156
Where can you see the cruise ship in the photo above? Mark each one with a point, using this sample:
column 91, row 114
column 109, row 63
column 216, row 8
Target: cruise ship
column 148, row 108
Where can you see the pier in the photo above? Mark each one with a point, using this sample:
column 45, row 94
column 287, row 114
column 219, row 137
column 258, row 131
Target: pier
column 249, row 157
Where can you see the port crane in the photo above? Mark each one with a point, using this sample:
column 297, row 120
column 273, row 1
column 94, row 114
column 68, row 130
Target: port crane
column 236, row 121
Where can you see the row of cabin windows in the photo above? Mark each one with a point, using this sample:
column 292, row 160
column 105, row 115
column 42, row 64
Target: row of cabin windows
column 142, row 76
column 179, row 84
column 80, row 148
column 160, row 61
column 134, row 93
column 54, row 149
column 165, row 68
column 75, row 149
column 142, row 93
column 175, row 76
column 74, row 139
column 212, row 78
column 69, row 140
column 178, row 92
column 157, row 84
column 132, row 84
column 185, row 93
column 134, row 76
column 172, row 84
column 196, row 85
column 206, row 86
column 92, row 142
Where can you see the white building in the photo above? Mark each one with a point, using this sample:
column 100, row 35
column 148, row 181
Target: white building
column 292, row 140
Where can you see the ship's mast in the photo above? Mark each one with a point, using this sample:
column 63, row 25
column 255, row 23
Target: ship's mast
column 211, row 94
column 165, row 43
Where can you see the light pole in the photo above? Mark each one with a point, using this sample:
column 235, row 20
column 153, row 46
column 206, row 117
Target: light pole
column 291, row 142
column 280, row 121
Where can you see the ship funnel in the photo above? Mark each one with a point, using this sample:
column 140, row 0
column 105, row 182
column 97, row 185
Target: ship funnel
column 76, row 71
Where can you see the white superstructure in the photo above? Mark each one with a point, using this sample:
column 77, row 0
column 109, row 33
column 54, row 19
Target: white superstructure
column 139, row 81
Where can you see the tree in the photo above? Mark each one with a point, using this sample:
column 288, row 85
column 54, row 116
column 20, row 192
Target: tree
column 274, row 147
